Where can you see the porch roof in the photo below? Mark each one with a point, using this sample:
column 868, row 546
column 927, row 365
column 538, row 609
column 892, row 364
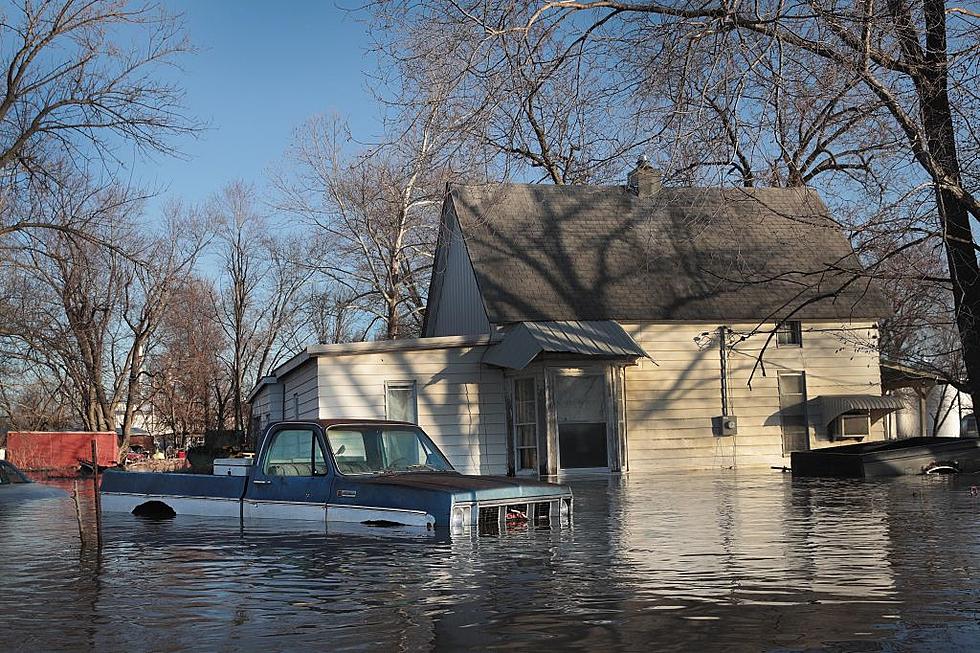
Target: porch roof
column 597, row 339
column 836, row 405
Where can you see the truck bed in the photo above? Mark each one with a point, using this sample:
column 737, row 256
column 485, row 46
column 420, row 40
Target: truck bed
column 194, row 494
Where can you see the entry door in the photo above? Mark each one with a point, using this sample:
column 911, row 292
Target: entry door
column 291, row 480
column 580, row 407
column 792, row 411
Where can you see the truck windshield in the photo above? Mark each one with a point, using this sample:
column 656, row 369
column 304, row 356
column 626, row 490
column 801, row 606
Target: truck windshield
column 379, row 449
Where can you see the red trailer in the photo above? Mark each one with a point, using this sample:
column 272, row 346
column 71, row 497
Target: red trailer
column 58, row 452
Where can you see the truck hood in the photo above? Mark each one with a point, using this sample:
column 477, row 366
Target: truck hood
column 472, row 488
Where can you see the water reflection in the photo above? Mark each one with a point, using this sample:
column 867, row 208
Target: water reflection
column 738, row 562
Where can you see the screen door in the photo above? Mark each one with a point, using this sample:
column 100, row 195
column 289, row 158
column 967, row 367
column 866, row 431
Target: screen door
column 580, row 404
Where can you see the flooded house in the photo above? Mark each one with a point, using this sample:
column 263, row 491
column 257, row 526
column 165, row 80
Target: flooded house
column 633, row 327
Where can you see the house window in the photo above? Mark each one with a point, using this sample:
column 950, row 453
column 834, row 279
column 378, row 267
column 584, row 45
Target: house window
column 401, row 401
column 525, row 426
column 855, row 424
column 789, row 334
column 792, row 411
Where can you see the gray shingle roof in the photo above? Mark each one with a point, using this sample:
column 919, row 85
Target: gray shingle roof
column 545, row 252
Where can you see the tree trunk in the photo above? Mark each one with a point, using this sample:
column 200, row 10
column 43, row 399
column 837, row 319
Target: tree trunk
column 937, row 119
column 392, row 319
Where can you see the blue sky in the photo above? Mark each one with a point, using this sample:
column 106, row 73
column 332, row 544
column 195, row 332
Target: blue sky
column 262, row 69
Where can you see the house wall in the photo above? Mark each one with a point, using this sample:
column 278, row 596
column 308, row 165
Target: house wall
column 300, row 392
column 267, row 403
column 460, row 400
column 945, row 409
column 456, row 307
column 670, row 401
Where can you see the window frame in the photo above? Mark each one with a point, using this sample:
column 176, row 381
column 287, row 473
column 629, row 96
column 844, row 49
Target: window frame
column 425, row 438
column 794, row 329
column 838, row 426
column 405, row 384
column 317, row 441
column 608, row 411
column 518, row 470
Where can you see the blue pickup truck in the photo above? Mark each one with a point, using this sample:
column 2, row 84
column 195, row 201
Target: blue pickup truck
column 378, row 473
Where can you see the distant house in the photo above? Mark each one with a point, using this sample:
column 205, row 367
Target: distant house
column 615, row 328
column 933, row 407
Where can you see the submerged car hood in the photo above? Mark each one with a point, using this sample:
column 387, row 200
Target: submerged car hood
column 16, row 492
column 471, row 488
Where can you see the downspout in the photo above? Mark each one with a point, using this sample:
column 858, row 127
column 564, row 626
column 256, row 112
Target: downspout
column 725, row 399
column 723, row 353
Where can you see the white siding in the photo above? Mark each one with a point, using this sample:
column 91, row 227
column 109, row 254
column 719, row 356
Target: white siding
column 460, row 400
column 300, row 392
column 670, row 402
column 267, row 403
column 945, row 408
column 457, row 305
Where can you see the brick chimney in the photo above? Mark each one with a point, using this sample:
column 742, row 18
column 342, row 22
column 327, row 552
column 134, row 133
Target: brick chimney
column 644, row 180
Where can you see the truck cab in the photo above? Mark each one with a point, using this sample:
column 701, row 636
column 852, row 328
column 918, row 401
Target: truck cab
column 371, row 472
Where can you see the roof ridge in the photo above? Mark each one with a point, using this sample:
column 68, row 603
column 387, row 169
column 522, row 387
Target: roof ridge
column 805, row 190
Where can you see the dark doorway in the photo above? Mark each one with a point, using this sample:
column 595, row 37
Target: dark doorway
column 580, row 403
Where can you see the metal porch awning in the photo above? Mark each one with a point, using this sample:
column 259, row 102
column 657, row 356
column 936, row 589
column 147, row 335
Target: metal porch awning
column 598, row 339
column 834, row 406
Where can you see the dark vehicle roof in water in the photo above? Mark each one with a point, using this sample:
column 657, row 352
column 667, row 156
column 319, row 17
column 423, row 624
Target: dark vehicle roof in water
column 15, row 486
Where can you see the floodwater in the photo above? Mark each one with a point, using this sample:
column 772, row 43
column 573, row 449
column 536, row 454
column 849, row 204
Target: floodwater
column 747, row 561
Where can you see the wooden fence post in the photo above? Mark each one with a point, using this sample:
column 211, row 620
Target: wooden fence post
column 96, row 497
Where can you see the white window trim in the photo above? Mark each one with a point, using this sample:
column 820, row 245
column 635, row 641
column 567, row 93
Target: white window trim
column 585, row 370
column 799, row 329
column 405, row 384
column 838, row 427
column 517, row 448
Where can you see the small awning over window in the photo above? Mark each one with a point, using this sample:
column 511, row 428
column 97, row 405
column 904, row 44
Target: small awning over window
column 598, row 339
column 834, row 406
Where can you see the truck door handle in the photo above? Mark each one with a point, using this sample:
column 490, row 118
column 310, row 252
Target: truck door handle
column 258, row 482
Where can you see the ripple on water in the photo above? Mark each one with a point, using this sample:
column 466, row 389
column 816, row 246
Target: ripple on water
column 726, row 561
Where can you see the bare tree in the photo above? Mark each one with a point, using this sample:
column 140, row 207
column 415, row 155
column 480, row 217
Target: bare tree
column 262, row 284
column 375, row 212
column 79, row 78
column 166, row 261
column 89, row 312
column 331, row 313
column 538, row 105
column 190, row 389
column 32, row 397
column 830, row 86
